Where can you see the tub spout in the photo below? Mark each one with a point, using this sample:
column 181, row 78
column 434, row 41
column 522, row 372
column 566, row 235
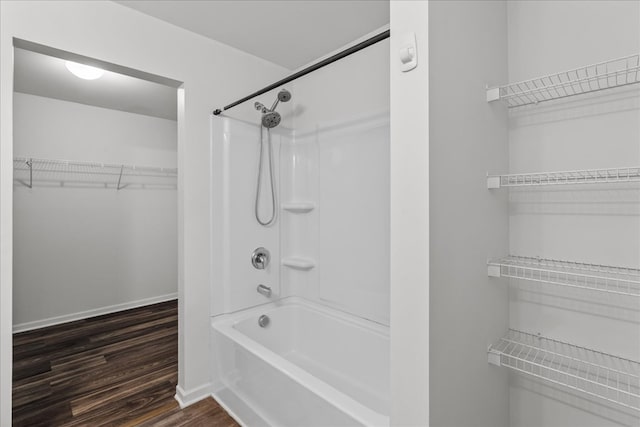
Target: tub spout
column 264, row 290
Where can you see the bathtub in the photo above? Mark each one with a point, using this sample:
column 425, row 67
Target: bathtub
column 310, row 366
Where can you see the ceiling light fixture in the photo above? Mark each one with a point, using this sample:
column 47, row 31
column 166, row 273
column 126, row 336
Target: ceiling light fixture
column 84, row 71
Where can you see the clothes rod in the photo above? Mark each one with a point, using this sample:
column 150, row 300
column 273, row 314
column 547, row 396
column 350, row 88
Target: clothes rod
column 353, row 49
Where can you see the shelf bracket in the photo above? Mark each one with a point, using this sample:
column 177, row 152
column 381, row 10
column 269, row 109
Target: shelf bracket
column 30, row 164
column 493, row 357
column 493, row 181
column 493, row 94
column 120, row 177
column 493, row 270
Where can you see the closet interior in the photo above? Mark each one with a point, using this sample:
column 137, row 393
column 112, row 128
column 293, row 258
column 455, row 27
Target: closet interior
column 95, row 191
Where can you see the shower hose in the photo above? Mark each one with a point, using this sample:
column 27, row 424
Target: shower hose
column 271, row 179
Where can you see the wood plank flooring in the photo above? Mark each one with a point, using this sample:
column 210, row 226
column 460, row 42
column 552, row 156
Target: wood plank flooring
column 119, row 369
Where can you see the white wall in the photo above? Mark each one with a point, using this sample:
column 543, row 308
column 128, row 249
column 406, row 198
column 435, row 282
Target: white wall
column 409, row 220
column 598, row 224
column 468, row 224
column 81, row 247
column 212, row 74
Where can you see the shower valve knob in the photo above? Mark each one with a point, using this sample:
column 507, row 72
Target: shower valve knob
column 260, row 258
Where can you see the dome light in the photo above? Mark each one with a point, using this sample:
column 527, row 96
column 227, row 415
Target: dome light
column 84, row 71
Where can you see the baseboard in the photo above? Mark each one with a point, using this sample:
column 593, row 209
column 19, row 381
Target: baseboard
column 186, row 398
column 37, row 324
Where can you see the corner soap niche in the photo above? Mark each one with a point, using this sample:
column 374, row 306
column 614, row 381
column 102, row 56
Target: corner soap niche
column 298, row 263
column 298, row 207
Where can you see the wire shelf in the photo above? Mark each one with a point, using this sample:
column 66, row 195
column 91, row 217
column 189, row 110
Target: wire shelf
column 597, row 374
column 28, row 170
column 616, row 280
column 591, row 78
column 586, row 176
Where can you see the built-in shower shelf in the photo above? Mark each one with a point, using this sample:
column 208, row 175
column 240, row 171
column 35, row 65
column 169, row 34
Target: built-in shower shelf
column 298, row 263
column 617, row 280
column 598, row 374
column 586, row 176
column 299, row 207
column 591, row 78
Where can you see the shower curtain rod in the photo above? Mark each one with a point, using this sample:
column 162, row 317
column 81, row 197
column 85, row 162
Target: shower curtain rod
column 353, row 49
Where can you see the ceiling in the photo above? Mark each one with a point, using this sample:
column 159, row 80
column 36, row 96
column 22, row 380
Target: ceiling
column 43, row 75
column 290, row 33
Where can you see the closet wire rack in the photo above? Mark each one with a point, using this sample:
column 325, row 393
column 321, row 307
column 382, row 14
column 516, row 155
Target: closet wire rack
column 105, row 173
column 597, row 374
column 591, row 78
column 603, row 278
column 586, row 176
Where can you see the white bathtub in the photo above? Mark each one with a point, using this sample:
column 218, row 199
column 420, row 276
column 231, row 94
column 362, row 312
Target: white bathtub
column 311, row 366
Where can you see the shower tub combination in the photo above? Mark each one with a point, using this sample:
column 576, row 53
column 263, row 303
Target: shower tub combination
column 292, row 342
column 293, row 362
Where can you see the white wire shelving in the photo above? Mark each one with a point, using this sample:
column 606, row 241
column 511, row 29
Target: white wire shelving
column 597, row 374
column 603, row 278
column 585, row 176
column 591, row 78
column 30, row 170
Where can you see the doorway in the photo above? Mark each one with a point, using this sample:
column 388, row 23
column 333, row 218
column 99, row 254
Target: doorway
column 95, row 232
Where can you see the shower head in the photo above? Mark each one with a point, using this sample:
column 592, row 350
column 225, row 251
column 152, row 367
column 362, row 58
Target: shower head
column 271, row 119
column 283, row 96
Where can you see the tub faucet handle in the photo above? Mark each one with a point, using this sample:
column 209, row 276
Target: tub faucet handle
column 264, row 290
column 260, row 258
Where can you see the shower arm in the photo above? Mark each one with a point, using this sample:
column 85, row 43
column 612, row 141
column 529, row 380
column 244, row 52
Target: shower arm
column 275, row 104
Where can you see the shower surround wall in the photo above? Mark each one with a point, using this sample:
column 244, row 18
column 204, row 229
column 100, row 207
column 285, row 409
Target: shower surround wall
column 238, row 142
column 329, row 246
column 330, row 242
column 339, row 163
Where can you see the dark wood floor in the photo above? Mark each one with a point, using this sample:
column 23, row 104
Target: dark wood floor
column 118, row 369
